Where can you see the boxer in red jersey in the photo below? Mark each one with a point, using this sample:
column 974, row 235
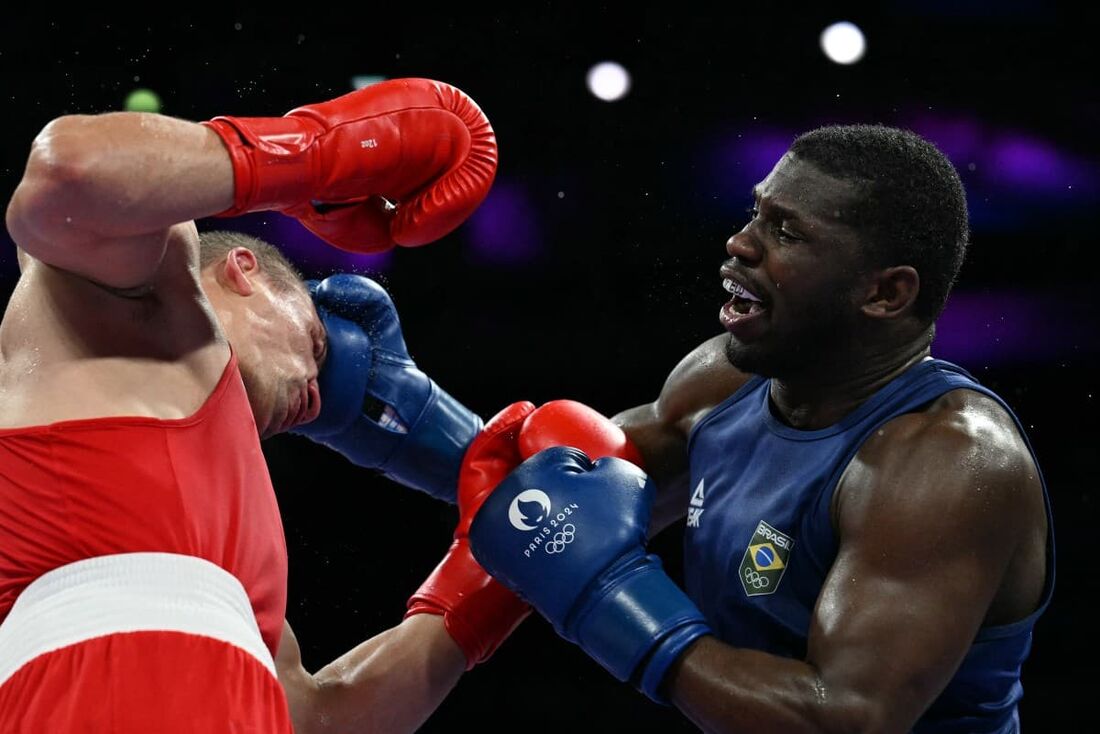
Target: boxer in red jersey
column 142, row 560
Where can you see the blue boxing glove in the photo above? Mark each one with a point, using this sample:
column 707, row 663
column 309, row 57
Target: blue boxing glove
column 568, row 536
column 377, row 408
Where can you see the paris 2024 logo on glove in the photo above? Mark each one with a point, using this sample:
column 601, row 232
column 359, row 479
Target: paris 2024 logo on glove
column 528, row 509
column 532, row 507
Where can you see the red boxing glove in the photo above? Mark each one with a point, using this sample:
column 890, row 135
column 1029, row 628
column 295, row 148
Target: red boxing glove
column 478, row 612
column 420, row 144
column 569, row 423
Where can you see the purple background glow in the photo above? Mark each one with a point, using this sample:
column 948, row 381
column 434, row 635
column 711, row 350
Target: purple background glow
column 999, row 327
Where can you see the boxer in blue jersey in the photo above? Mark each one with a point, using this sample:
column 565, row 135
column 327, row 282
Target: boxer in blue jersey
column 868, row 540
column 868, row 537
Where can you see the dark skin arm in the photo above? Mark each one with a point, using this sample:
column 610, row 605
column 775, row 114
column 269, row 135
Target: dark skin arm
column 938, row 521
column 942, row 529
column 660, row 430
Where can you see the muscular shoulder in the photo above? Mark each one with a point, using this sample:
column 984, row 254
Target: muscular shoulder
column 701, row 380
column 967, row 426
column 660, row 430
column 961, row 454
column 953, row 481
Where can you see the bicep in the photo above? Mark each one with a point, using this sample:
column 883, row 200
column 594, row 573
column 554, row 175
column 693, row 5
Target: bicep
column 920, row 558
column 893, row 633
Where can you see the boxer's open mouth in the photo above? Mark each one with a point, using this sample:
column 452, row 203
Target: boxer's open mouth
column 744, row 301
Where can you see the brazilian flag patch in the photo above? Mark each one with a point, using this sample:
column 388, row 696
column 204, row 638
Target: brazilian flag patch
column 765, row 560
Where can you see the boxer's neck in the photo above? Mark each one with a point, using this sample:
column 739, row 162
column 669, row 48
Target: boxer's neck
column 821, row 399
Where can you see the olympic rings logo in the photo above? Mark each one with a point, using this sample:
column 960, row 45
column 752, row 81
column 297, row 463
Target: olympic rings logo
column 562, row 539
column 757, row 580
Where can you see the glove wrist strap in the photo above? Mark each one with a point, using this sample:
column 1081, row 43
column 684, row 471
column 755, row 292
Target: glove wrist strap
column 641, row 616
column 478, row 612
column 274, row 161
column 430, row 456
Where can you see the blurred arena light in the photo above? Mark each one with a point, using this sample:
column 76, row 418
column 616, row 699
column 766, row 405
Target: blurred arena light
column 996, row 327
column 843, row 43
column 365, row 80
column 609, row 81
column 142, row 100
column 505, row 230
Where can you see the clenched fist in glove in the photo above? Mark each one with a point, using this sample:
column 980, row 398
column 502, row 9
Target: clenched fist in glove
column 479, row 613
column 422, row 146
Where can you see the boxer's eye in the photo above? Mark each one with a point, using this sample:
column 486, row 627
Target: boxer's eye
column 781, row 232
column 787, row 236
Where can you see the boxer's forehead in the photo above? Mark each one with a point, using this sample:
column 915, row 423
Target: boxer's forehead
column 799, row 190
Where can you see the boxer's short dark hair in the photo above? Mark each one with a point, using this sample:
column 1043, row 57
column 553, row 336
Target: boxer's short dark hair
column 912, row 209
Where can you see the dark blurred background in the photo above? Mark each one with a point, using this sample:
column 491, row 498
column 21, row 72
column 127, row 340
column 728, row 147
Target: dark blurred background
column 593, row 265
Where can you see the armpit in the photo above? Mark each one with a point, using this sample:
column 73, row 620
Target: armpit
column 139, row 291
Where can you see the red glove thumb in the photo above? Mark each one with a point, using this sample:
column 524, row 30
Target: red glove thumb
column 478, row 612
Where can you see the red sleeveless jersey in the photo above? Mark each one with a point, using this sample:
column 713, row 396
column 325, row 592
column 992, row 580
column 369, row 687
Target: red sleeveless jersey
column 196, row 486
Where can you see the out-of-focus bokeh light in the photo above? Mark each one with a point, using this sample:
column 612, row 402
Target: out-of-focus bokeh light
column 505, row 230
column 609, row 81
column 843, row 43
column 142, row 100
column 359, row 81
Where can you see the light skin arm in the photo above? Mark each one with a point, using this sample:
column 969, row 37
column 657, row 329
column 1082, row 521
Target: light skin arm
column 100, row 192
column 660, row 430
column 394, row 681
column 389, row 683
column 929, row 516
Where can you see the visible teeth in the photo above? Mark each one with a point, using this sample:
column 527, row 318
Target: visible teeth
column 738, row 290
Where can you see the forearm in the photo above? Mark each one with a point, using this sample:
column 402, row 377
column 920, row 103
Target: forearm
column 726, row 689
column 390, row 683
column 127, row 173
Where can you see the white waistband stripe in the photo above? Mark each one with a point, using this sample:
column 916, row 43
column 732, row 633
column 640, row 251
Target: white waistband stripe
column 130, row 592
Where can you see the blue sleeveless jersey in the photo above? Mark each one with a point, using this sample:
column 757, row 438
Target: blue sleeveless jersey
column 759, row 540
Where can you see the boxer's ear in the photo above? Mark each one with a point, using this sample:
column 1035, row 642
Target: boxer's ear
column 238, row 271
column 891, row 292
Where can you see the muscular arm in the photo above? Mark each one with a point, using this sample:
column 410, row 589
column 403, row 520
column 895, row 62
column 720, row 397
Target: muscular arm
column 100, row 191
column 929, row 516
column 390, row 683
column 661, row 429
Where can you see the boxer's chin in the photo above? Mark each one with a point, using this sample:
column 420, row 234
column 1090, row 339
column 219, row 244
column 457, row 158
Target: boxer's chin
column 774, row 361
column 267, row 419
column 753, row 359
column 280, row 419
